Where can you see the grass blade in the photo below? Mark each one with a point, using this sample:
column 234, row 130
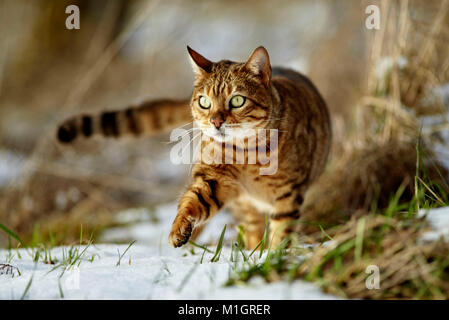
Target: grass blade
column 12, row 234
column 27, row 288
column 200, row 246
column 120, row 256
column 216, row 256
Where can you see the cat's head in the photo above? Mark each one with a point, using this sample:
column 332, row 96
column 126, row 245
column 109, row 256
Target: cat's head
column 231, row 99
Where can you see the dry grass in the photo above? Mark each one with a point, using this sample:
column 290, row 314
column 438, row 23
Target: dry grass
column 380, row 155
column 386, row 167
column 409, row 268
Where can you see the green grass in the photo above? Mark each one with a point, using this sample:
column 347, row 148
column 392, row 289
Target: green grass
column 27, row 288
column 217, row 254
column 12, row 234
column 120, row 256
column 71, row 256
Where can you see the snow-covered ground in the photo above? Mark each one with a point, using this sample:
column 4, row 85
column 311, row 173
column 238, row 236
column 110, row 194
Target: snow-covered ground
column 150, row 269
column 145, row 272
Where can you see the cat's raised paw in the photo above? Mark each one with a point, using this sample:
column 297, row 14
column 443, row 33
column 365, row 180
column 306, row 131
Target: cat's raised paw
column 181, row 231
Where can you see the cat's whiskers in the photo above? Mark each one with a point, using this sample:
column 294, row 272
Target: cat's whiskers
column 188, row 132
column 190, row 141
column 185, row 124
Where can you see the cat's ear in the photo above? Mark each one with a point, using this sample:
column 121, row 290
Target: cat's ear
column 259, row 63
column 201, row 66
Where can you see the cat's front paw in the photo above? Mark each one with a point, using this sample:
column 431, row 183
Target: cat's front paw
column 181, row 231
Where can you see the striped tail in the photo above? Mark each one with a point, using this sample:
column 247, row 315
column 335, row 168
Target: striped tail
column 148, row 118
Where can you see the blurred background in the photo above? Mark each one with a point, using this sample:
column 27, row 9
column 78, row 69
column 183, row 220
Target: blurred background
column 381, row 87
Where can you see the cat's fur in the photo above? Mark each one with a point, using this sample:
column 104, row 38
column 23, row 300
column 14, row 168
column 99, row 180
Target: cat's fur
column 276, row 98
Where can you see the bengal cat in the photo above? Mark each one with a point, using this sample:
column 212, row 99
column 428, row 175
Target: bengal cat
column 227, row 98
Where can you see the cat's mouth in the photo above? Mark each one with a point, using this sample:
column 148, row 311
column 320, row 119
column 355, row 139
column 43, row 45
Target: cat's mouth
column 225, row 134
column 220, row 135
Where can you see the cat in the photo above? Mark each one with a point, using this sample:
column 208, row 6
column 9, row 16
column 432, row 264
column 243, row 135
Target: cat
column 227, row 97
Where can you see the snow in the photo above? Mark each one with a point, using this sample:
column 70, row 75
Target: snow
column 10, row 167
column 386, row 64
column 440, row 143
column 144, row 273
column 437, row 126
column 146, row 231
column 150, row 269
column 438, row 221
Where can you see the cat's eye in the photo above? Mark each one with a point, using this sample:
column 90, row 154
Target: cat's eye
column 204, row 102
column 237, row 101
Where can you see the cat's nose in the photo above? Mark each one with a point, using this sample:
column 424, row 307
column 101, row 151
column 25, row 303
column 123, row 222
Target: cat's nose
column 217, row 122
